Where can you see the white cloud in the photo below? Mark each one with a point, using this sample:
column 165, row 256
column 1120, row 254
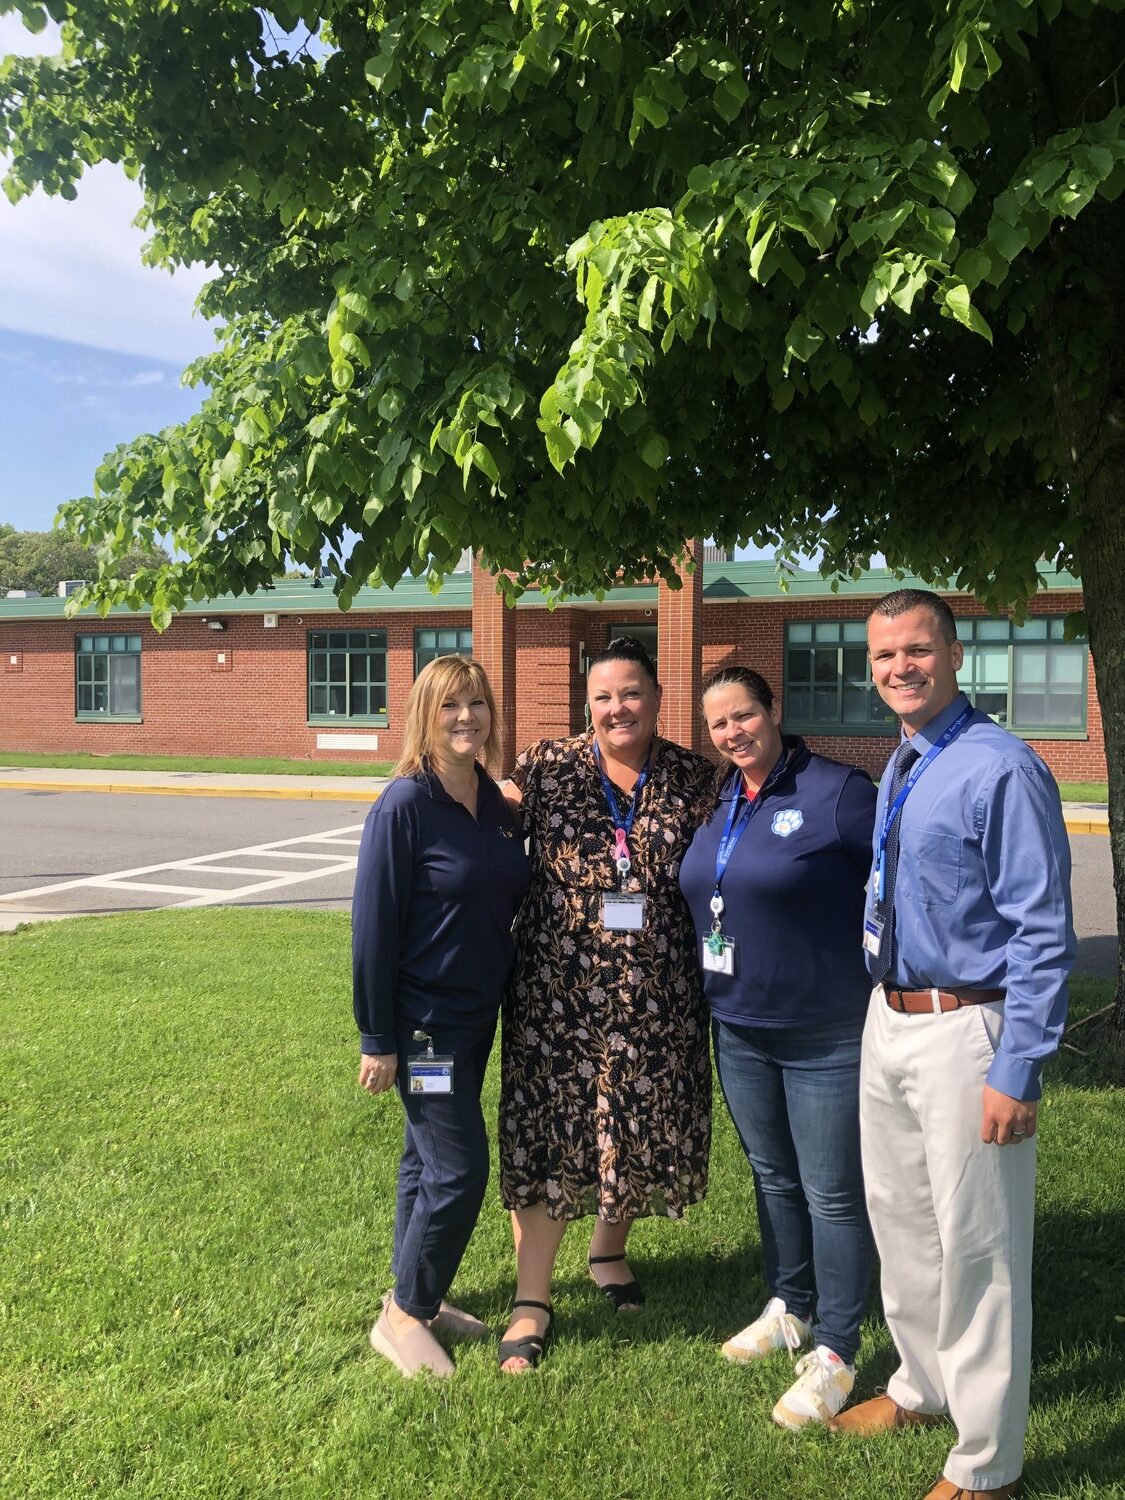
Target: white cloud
column 74, row 271
column 80, row 365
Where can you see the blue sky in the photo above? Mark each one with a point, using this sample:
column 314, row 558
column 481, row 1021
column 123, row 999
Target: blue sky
column 65, row 405
column 92, row 341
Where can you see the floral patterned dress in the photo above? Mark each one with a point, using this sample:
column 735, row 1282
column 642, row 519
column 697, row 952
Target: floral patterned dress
column 605, row 1101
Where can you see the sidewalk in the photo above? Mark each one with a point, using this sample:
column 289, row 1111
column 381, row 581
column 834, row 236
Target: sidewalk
column 192, row 784
column 1081, row 817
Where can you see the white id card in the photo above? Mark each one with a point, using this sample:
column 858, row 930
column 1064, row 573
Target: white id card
column 430, row 1075
column 623, row 911
column 719, row 960
column 873, row 934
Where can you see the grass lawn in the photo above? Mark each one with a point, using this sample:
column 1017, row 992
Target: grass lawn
column 1084, row 791
column 1071, row 791
column 196, row 1213
column 263, row 766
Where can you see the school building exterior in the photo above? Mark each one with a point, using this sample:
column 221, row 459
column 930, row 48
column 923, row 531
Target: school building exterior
column 283, row 672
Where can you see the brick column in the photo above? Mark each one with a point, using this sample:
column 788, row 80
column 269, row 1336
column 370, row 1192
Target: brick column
column 494, row 646
column 680, row 618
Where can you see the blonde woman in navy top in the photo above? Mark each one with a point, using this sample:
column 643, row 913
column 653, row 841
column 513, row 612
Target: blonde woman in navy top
column 775, row 883
column 441, row 875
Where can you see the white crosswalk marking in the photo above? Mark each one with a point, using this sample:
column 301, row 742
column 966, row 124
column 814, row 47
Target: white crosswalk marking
column 331, row 861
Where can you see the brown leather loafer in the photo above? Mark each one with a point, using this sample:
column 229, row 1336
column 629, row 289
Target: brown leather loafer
column 880, row 1414
column 945, row 1489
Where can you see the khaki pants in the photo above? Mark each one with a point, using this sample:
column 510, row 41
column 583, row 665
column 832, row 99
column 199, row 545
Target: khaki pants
column 953, row 1220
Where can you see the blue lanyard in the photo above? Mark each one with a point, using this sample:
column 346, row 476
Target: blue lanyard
column 622, row 825
column 741, row 811
column 895, row 808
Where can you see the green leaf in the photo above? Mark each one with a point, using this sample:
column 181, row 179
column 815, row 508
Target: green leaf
column 782, row 395
column 1007, row 239
column 253, row 426
column 482, row 459
column 560, row 447
column 650, row 109
column 377, row 69
column 759, row 248
column 803, row 340
column 904, row 293
column 352, row 347
column 653, row 449
column 958, row 303
column 972, row 267
column 959, row 59
column 788, row 52
column 391, row 404
column 730, row 96
column 645, row 305
column 822, row 203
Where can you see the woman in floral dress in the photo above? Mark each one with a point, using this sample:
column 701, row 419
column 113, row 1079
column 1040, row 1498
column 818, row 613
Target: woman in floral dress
column 606, row 1083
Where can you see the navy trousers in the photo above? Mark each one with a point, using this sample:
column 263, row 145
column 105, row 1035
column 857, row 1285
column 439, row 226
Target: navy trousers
column 443, row 1172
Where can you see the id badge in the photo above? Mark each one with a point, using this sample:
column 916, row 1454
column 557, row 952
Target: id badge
column 719, row 959
column 430, row 1075
column 873, row 934
column 623, row 911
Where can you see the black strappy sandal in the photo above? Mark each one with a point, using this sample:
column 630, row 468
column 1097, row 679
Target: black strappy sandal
column 532, row 1345
column 626, row 1295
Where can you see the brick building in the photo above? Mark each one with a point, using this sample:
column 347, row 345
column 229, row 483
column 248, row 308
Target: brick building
column 283, row 672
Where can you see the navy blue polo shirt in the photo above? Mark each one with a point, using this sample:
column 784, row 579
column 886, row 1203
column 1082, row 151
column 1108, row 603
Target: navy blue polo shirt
column 793, row 893
column 436, row 892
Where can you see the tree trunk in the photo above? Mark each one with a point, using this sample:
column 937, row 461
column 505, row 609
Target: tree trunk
column 1102, row 562
column 1075, row 83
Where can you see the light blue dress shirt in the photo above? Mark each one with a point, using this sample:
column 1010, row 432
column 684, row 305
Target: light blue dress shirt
column 982, row 895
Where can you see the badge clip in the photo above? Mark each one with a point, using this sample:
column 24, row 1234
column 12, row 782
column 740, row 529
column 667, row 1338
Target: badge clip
column 429, row 1074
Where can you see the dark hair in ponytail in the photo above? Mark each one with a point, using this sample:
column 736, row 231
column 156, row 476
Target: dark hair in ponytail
column 627, row 648
column 754, row 683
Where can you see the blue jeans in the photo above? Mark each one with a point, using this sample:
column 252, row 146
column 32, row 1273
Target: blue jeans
column 793, row 1094
column 443, row 1172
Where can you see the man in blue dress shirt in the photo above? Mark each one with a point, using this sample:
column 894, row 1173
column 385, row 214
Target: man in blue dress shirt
column 970, row 941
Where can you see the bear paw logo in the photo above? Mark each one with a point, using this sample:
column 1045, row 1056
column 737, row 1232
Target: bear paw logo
column 787, row 821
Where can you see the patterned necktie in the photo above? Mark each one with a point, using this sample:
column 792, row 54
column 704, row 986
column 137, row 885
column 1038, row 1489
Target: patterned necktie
column 905, row 757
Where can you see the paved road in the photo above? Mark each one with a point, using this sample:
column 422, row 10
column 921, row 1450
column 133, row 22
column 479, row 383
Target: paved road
column 64, row 854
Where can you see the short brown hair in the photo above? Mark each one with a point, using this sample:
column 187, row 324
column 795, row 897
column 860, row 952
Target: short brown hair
column 433, row 685
column 902, row 601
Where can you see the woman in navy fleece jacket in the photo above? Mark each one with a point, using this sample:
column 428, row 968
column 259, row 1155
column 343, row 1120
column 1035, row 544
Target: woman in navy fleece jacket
column 441, row 874
column 775, row 883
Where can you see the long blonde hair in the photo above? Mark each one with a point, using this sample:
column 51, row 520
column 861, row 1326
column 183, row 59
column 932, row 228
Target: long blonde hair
column 437, row 681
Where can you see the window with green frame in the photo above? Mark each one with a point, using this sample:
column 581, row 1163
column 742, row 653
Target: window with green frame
column 430, row 644
column 828, row 679
column 347, row 674
column 107, row 676
column 1027, row 677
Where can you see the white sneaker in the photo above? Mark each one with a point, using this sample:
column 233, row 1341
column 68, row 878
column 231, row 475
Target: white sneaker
column 773, row 1328
column 824, row 1383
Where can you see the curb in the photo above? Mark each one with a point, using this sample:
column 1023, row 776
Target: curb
column 1074, row 823
column 284, row 794
column 1085, row 825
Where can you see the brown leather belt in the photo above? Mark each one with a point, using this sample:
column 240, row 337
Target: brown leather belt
column 934, row 1002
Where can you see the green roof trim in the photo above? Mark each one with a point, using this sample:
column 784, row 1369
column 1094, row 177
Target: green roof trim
column 721, row 581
